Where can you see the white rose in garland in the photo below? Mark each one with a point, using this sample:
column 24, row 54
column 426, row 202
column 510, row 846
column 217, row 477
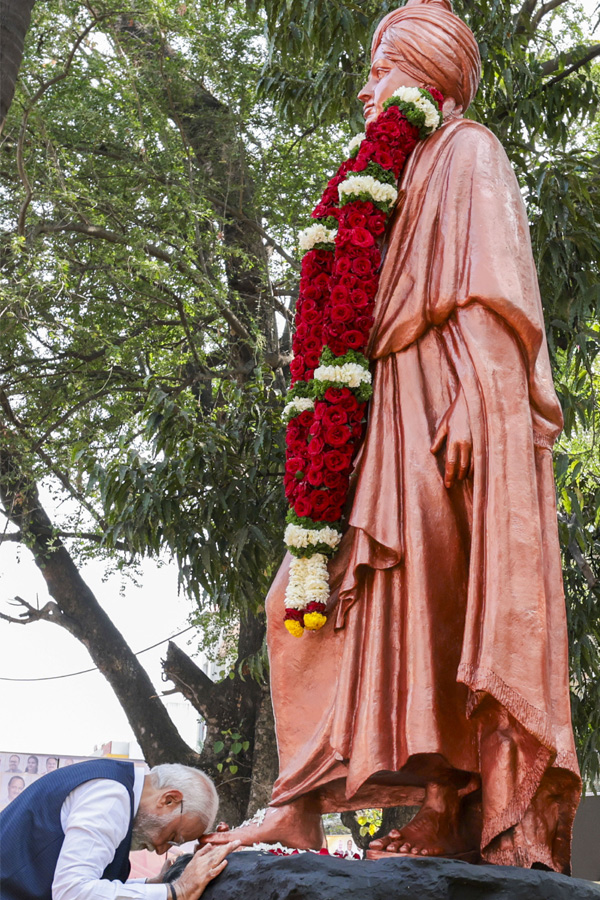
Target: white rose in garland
column 316, row 236
column 297, row 406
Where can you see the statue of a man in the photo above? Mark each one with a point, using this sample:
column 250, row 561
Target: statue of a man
column 441, row 676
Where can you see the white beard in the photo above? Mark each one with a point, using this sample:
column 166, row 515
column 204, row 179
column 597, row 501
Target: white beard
column 145, row 828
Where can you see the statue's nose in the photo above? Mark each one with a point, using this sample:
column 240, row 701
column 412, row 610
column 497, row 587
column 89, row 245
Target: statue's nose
column 365, row 92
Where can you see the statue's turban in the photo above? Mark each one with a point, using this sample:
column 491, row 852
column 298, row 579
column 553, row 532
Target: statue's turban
column 427, row 41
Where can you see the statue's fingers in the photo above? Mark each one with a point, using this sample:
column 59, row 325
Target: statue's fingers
column 222, row 826
column 465, row 460
column 440, row 437
column 451, row 466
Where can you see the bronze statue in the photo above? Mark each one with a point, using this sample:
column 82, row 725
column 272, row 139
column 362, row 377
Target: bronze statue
column 441, row 676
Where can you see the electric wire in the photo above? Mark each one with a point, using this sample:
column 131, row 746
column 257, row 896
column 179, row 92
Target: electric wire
column 95, row 668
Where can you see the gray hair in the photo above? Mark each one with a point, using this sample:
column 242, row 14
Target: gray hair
column 199, row 793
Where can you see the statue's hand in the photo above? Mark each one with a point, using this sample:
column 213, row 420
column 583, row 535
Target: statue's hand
column 455, row 430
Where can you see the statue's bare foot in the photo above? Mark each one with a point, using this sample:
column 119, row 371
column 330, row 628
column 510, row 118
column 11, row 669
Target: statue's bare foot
column 434, row 831
column 292, row 825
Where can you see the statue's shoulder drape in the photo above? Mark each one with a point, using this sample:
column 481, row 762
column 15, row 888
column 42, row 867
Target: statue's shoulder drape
column 461, row 236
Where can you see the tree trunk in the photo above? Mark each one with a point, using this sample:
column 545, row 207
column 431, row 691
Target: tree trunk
column 15, row 16
column 235, row 706
column 244, row 768
column 76, row 609
column 265, row 762
column 212, row 133
column 392, row 817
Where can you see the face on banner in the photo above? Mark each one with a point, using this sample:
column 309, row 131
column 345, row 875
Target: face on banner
column 19, row 770
column 342, row 845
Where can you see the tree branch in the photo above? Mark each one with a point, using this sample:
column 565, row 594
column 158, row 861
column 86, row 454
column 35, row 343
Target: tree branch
column 14, row 537
column 23, row 131
column 544, row 10
column 552, row 65
column 77, row 609
column 268, row 239
column 583, row 565
column 48, row 613
column 191, row 681
column 62, row 477
column 67, row 415
column 99, row 233
column 522, row 19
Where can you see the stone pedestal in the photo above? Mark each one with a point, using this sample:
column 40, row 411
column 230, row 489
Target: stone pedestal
column 262, row 876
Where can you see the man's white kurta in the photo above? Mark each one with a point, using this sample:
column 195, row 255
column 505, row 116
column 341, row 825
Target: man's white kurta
column 95, row 819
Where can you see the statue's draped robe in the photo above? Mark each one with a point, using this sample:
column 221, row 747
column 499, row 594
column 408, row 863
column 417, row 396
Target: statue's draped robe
column 446, row 644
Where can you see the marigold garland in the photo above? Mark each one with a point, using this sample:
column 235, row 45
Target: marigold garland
column 331, row 381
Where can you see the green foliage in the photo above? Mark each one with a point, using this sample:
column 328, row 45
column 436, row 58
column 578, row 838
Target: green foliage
column 219, row 639
column 577, row 464
column 332, row 824
column 230, row 749
column 210, row 493
column 369, row 820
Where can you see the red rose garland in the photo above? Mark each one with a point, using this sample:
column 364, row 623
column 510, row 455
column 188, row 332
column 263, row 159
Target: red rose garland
column 331, row 381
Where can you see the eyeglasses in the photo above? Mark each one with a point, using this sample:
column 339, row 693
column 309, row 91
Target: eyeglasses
column 181, row 839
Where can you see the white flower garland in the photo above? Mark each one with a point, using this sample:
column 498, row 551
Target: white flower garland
column 351, row 375
column 308, row 582
column 297, row 536
column 414, row 95
column 316, row 234
column 355, row 142
column 366, row 184
column 297, row 406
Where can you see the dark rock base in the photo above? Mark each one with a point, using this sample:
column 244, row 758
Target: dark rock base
column 262, row 876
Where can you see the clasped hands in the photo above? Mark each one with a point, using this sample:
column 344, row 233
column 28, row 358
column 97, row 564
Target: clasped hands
column 455, row 431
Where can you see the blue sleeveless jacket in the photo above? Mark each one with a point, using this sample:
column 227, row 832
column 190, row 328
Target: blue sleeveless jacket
column 31, row 836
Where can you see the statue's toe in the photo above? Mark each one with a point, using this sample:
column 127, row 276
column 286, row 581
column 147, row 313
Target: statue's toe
column 379, row 843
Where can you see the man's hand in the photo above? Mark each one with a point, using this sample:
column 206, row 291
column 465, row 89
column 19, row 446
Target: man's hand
column 206, row 864
column 456, row 431
column 158, row 879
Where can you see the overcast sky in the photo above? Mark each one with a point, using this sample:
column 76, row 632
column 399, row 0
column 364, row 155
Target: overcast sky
column 71, row 715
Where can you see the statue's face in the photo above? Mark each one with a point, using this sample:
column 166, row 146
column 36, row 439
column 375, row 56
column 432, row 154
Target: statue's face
column 384, row 78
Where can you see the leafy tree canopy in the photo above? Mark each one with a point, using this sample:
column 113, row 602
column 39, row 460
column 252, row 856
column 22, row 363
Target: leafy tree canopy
column 157, row 167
